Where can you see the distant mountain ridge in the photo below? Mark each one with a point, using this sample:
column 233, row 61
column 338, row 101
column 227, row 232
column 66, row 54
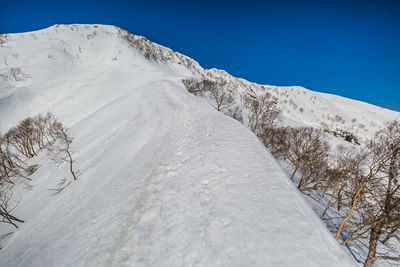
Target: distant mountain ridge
column 320, row 110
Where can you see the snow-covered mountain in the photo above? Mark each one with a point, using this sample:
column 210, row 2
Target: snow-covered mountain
column 165, row 179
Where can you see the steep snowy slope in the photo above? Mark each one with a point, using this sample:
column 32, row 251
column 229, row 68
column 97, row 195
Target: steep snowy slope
column 165, row 179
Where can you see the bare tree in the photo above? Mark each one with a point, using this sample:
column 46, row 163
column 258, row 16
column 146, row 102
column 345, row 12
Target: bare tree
column 341, row 165
column 237, row 113
column 6, row 208
column 384, row 215
column 313, row 170
column 370, row 194
column 217, row 90
column 193, row 86
column 41, row 137
column 305, row 149
column 6, row 163
column 51, row 126
column 27, row 134
column 11, row 164
column 222, row 98
column 61, row 151
column 22, row 137
column 275, row 140
column 262, row 112
column 355, row 187
column 25, row 140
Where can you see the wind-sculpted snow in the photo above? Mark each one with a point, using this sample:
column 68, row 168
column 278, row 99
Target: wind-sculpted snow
column 165, row 179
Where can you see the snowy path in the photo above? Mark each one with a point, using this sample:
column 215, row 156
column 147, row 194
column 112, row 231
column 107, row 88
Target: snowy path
column 169, row 181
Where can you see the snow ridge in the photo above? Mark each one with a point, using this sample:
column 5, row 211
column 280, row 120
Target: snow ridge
column 165, row 179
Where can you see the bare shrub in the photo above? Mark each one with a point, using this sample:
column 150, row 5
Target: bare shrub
column 16, row 73
column 22, row 138
column 6, row 207
column 3, row 39
column 61, row 186
column 262, row 112
column 92, row 35
column 193, row 86
column 215, row 89
column 339, row 119
column 149, row 50
column 24, row 141
column 346, row 135
column 222, row 98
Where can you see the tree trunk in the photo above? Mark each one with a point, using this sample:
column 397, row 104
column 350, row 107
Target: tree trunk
column 70, row 165
column 335, row 187
column 353, row 206
column 373, row 243
column 294, row 171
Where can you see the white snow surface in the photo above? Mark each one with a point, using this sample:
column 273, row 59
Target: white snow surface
column 166, row 180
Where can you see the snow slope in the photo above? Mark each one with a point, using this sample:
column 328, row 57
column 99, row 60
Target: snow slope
column 165, row 179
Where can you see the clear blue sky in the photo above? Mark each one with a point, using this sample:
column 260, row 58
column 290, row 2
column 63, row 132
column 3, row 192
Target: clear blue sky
column 350, row 48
